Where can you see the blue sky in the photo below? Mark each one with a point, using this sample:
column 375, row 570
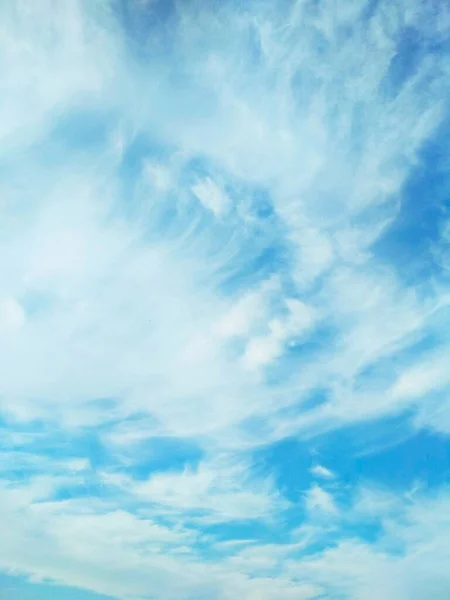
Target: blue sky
column 224, row 300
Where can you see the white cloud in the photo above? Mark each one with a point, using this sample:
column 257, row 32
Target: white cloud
column 320, row 501
column 222, row 491
column 322, row 472
column 72, row 253
column 67, row 542
column 212, row 197
column 408, row 560
column 250, row 312
column 46, row 69
column 126, row 317
column 264, row 349
column 423, row 378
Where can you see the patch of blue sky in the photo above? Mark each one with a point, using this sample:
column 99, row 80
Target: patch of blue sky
column 15, row 587
column 161, row 454
column 78, row 131
column 408, row 243
column 390, row 453
column 148, row 27
column 289, row 462
column 405, row 61
column 51, row 439
column 248, row 530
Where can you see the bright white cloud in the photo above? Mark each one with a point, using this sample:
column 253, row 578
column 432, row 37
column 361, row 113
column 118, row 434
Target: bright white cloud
column 322, row 472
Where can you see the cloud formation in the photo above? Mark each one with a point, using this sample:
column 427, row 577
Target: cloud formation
column 224, row 297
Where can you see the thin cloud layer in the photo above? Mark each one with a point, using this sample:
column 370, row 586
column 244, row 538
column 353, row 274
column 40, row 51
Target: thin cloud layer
column 224, row 298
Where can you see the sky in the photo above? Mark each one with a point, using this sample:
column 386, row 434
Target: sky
column 224, row 300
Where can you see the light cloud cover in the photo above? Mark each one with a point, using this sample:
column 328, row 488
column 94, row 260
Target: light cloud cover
column 224, row 300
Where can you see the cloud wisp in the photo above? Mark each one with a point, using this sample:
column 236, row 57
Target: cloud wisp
column 224, row 259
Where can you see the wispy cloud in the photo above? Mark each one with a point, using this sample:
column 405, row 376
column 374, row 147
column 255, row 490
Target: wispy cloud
column 213, row 247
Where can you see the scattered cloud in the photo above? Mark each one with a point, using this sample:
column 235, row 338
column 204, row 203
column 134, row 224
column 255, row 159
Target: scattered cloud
column 319, row 501
column 224, row 245
column 322, row 472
